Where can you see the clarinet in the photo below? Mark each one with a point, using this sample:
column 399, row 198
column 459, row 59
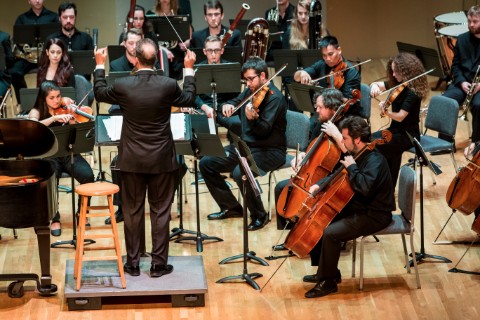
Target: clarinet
column 468, row 99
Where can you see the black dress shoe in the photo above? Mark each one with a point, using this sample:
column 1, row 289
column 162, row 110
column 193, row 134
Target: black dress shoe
column 158, row 270
column 232, row 213
column 131, row 270
column 322, row 289
column 56, row 232
column 118, row 217
column 313, row 278
column 258, row 223
column 279, row 247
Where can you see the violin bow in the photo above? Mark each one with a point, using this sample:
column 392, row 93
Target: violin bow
column 405, row 82
column 314, row 81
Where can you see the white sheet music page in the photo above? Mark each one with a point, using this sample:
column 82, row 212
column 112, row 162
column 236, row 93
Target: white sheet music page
column 113, row 125
column 177, row 124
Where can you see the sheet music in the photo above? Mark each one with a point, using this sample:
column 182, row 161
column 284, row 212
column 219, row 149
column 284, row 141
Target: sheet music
column 113, row 125
column 211, row 126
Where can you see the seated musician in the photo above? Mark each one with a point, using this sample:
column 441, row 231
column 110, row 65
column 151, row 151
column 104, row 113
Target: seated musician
column 332, row 59
column 37, row 14
column 140, row 22
column 5, row 78
column 282, row 14
column 54, row 65
column 464, row 66
column 213, row 11
column 48, row 101
column 213, row 50
column 369, row 211
column 296, row 35
column 405, row 111
column 263, row 129
column 326, row 104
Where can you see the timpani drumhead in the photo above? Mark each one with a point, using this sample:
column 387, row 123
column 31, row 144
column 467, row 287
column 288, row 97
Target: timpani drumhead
column 452, row 18
column 453, row 31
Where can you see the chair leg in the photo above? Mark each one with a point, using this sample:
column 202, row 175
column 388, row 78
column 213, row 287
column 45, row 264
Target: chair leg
column 269, row 211
column 452, row 155
column 80, row 240
column 412, row 248
column 354, row 257
column 118, row 251
column 362, row 242
column 407, row 265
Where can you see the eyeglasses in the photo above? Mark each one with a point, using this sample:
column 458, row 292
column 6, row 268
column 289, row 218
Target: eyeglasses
column 211, row 15
column 212, row 51
column 250, row 79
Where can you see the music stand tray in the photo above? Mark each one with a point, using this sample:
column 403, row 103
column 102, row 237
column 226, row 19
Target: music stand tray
column 115, row 52
column 302, row 95
column 165, row 32
column 83, row 61
column 34, row 33
column 222, row 78
column 296, row 59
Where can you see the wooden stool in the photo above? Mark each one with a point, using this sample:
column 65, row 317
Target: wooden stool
column 89, row 190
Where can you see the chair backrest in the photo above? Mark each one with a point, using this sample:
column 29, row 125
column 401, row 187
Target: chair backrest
column 442, row 115
column 365, row 101
column 82, row 88
column 407, row 189
column 297, row 132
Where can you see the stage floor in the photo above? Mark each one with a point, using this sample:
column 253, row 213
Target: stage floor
column 185, row 286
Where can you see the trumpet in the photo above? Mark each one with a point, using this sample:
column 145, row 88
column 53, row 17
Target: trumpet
column 468, row 99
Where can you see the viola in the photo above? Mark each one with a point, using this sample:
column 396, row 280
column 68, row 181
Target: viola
column 321, row 158
column 319, row 208
column 392, row 95
column 462, row 194
column 336, row 79
column 80, row 114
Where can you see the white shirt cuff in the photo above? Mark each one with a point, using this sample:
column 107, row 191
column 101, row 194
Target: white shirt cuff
column 100, row 66
column 188, row 72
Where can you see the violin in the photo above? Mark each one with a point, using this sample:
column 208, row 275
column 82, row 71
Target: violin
column 259, row 96
column 392, row 95
column 336, row 78
column 80, row 114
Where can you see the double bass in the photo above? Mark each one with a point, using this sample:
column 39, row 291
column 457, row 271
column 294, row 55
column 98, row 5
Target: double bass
column 321, row 158
column 319, row 208
column 463, row 192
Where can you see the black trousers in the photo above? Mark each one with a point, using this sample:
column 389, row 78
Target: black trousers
column 344, row 227
column 457, row 94
column 160, row 189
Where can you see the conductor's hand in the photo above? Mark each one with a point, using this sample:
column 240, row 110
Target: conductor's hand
column 227, row 110
column 189, row 59
column 100, row 55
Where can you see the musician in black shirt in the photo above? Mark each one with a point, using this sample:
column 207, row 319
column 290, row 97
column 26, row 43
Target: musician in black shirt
column 369, row 211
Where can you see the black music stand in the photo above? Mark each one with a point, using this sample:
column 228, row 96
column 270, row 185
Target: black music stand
column 163, row 30
column 73, row 139
column 29, row 96
column 296, row 59
column 202, row 144
column 422, row 160
column 247, row 177
column 230, row 54
column 34, row 33
column 83, row 61
column 244, row 152
column 302, row 95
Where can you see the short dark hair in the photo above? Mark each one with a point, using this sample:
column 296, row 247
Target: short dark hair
column 134, row 31
column 212, row 4
column 257, row 64
column 357, row 128
column 66, row 5
column 327, row 41
column 147, row 60
column 332, row 98
column 211, row 39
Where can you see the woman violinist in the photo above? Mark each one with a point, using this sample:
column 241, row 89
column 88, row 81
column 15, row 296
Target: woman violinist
column 405, row 104
column 49, row 100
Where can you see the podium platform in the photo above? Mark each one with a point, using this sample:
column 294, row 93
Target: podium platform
column 184, row 287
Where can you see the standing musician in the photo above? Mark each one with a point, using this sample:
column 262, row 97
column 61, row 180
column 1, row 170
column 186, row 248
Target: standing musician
column 146, row 161
column 466, row 59
column 332, row 59
column 405, row 102
column 281, row 14
column 37, row 14
column 263, row 129
column 369, row 211
column 49, row 101
column 326, row 105
column 213, row 11
column 5, row 78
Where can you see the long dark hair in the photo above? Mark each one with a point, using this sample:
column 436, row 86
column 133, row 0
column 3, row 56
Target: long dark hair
column 64, row 71
column 41, row 101
column 147, row 25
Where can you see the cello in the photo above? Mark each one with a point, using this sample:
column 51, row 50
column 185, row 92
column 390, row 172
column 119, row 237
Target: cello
column 320, row 207
column 463, row 192
column 321, row 158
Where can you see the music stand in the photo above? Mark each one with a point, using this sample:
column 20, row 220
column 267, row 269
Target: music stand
column 302, row 95
column 165, row 32
column 247, row 178
column 83, row 61
column 73, row 139
column 115, row 52
column 202, row 144
column 422, row 160
column 34, row 33
column 230, row 54
column 244, row 151
column 29, row 96
column 296, row 59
